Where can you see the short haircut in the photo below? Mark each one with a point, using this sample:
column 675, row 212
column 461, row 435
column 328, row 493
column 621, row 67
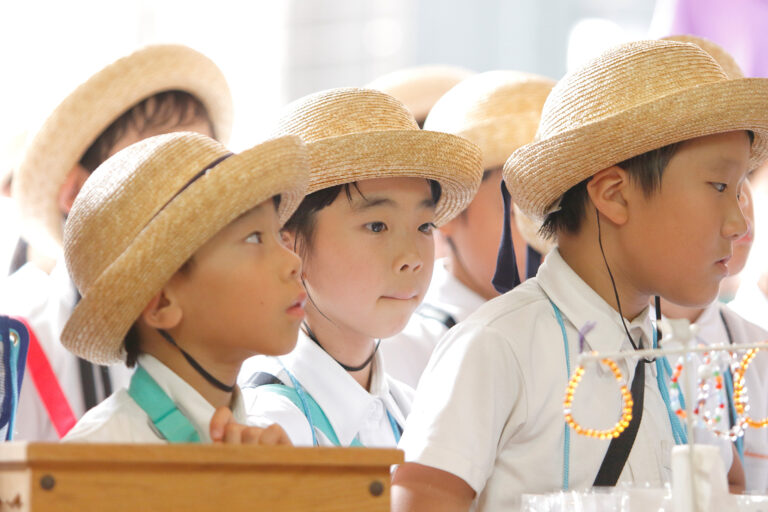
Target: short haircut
column 645, row 170
column 302, row 222
column 168, row 108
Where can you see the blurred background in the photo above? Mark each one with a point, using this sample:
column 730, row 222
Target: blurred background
column 274, row 51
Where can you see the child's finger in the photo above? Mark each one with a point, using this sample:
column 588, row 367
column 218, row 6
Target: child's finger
column 233, row 433
column 252, row 435
column 274, row 435
column 219, row 421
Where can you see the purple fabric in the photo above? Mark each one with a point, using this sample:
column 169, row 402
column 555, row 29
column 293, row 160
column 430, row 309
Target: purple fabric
column 739, row 26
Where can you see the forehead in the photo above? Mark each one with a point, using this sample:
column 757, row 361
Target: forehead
column 390, row 190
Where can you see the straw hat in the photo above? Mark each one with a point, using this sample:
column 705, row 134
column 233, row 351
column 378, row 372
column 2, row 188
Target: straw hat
column 77, row 122
column 358, row 134
column 717, row 52
column 420, row 87
column 632, row 99
column 499, row 111
column 134, row 223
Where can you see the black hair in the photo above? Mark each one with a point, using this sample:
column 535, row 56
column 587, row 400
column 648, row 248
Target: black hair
column 162, row 109
column 645, row 170
column 302, row 222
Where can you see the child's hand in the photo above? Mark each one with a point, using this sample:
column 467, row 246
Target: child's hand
column 224, row 429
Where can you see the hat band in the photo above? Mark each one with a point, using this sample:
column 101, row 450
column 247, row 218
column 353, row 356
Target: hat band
column 197, row 177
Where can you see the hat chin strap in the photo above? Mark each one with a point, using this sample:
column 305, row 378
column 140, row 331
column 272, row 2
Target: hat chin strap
column 311, row 335
column 194, row 364
column 506, row 276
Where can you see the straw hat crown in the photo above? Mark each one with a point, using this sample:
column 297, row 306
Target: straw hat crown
column 614, row 83
column 420, row 87
column 357, row 134
column 717, row 52
column 497, row 110
column 339, row 112
column 634, row 98
column 125, row 183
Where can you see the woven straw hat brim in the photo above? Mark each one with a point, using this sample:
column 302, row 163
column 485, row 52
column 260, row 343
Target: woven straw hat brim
column 538, row 174
column 83, row 115
column 452, row 161
column 114, row 301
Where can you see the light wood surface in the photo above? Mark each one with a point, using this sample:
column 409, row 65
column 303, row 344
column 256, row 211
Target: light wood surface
column 79, row 477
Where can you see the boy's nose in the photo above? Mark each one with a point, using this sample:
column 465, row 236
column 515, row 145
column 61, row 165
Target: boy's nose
column 736, row 224
column 409, row 261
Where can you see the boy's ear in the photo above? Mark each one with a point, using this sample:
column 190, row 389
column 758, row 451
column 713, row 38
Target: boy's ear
column 72, row 184
column 608, row 191
column 289, row 239
column 162, row 312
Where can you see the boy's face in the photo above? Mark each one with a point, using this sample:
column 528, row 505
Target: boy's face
column 370, row 259
column 476, row 234
column 241, row 294
column 680, row 241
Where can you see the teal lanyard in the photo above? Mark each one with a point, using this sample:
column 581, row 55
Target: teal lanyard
column 15, row 347
column 308, row 404
column 567, row 441
column 677, row 430
column 162, row 411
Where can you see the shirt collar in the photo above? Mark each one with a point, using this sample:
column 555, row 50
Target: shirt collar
column 344, row 402
column 190, row 402
column 451, row 295
column 580, row 304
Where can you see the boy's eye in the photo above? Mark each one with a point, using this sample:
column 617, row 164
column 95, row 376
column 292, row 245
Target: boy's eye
column 376, row 227
column 254, row 238
column 427, row 227
column 720, row 187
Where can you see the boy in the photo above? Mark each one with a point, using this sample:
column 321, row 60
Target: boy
column 718, row 324
column 174, row 244
column 155, row 90
column 637, row 169
column 499, row 111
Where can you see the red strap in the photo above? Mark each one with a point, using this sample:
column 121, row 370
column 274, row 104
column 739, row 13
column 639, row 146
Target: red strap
column 48, row 387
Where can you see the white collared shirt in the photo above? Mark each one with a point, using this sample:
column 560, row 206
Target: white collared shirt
column 712, row 331
column 489, row 407
column 407, row 353
column 46, row 302
column 351, row 410
column 119, row 419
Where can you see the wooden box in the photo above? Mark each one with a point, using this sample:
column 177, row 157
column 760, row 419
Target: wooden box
column 40, row 477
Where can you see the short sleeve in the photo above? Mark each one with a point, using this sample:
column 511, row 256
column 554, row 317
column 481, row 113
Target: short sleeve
column 470, row 394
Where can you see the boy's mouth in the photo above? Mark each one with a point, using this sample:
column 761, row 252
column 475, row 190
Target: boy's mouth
column 405, row 295
column 297, row 307
column 723, row 263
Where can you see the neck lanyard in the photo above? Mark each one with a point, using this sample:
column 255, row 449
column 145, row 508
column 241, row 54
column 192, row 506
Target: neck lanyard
column 308, row 404
column 677, row 430
column 729, row 391
column 162, row 411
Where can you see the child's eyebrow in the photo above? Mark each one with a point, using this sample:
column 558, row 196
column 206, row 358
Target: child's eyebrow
column 371, row 202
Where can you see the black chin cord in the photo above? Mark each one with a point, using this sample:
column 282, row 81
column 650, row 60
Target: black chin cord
column 199, row 369
column 615, row 291
column 311, row 335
